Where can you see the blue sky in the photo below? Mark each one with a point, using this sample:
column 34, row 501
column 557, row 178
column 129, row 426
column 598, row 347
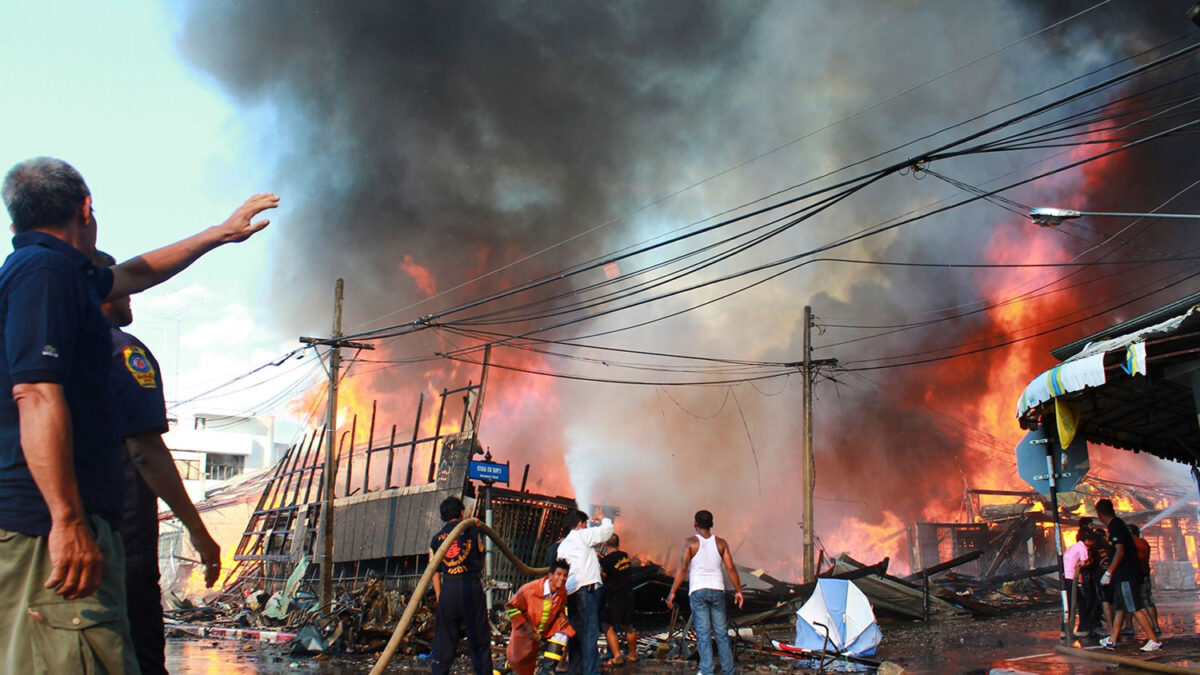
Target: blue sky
column 165, row 154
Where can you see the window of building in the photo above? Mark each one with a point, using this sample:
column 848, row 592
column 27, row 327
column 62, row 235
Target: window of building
column 224, row 467
column 189, row 469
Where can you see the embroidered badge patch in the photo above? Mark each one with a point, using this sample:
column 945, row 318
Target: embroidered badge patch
column 138, row 365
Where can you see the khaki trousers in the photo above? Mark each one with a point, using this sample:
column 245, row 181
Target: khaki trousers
column 42, row 632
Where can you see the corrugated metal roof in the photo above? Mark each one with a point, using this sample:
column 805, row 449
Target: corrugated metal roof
column 1132, row 325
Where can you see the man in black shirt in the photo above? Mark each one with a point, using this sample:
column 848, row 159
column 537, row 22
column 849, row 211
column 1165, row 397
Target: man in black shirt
column 1104, row 554
column 1124, row 575
column 140, row 416
column 460, row 598
column 616, row 567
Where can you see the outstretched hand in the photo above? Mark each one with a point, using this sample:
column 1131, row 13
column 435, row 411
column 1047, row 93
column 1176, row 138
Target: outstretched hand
column 241, row 225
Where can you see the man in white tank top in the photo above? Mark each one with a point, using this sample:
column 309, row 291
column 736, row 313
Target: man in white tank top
column 705, row 554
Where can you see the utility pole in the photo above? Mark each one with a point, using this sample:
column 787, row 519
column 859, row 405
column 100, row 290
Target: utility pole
column 489, row 553
column 807, row 455
column 808, row 367
column 329, row 469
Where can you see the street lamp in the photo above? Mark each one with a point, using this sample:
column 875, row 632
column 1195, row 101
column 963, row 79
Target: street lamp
column 1050, row 216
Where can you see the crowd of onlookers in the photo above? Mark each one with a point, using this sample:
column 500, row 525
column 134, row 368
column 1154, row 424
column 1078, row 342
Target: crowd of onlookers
column 1108, row 568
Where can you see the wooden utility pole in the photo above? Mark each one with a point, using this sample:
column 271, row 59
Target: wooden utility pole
column 808, row 367
column 807, row 455
column 329, row 468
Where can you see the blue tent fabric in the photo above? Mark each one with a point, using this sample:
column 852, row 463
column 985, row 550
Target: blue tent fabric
column 837, row 618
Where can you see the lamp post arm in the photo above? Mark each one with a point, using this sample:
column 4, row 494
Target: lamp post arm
column 1050, row 216
column 1179, row 216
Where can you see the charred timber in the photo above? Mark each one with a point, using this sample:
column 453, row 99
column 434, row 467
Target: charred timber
column 949, row 564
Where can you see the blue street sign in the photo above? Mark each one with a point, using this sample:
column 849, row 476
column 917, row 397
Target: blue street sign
column 1031, row 462
column 497, row 473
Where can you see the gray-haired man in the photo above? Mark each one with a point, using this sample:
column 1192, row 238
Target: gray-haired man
column 62, row 595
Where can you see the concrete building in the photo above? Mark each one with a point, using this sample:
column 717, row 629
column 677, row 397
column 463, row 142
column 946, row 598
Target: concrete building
column 212, row 447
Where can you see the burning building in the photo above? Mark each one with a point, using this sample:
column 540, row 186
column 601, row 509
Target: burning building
column 383, row 518
column 446, row 156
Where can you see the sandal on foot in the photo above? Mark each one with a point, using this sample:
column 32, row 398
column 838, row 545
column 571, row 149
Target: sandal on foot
column 615, row 662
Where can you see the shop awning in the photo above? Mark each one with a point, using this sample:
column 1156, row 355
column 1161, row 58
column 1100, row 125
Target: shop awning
column 1134, row 386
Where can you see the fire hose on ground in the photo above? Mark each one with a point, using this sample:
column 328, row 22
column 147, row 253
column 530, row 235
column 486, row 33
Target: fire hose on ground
column 434, row 560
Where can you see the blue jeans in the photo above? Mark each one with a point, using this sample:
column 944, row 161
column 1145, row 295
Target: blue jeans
column 708, row 617
column 583, row 611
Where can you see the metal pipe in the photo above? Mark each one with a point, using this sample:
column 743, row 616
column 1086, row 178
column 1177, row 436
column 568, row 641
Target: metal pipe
column 312, row 468
column 1058, row 547
column 350, row 452
column 370, row 446
column 338, row 457
column 433, row 452
column 387, row 483
column 412, row 448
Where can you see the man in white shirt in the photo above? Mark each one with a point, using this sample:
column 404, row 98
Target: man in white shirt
column 705, row 554
column 583, row 587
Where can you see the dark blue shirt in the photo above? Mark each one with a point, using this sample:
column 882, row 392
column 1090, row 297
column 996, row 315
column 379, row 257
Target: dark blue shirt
column 464, row 559
column 135, row 381
column 52, row 331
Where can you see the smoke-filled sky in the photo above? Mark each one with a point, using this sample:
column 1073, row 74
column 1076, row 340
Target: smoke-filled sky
column 420, row 146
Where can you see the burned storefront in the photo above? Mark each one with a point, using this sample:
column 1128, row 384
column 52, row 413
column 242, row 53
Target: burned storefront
column 1012, row 531
column 385, row 509
column 1131, row 387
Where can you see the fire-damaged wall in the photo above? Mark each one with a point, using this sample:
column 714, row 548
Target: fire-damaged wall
column 399, row 521
column 385, row 533
column 1016, row 535
column 396, row 522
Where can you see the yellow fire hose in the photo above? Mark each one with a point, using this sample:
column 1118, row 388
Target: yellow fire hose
column 414, row 600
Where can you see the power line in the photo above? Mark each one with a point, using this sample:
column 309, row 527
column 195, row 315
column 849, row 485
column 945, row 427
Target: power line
column 649, row 383
column 270, row 364
column 847, row 365
column 756, row 158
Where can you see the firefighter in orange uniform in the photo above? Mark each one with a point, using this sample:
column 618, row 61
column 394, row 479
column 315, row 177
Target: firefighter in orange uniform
column 536, row 613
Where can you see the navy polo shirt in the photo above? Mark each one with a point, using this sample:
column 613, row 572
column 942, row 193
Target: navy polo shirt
column 135, row 381
column 52, row 330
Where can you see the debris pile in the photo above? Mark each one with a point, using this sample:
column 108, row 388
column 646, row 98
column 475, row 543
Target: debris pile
column 359, row 620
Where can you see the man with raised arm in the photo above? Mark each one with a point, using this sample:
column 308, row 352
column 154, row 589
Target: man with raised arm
column 704, row 556
column 62, row 591
column 578, row 548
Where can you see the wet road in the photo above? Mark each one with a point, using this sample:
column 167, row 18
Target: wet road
column 1023, row 642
